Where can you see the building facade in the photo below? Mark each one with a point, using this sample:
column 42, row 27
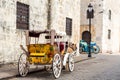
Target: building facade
column 19, row 15
column 111, row 26
column 105, row 25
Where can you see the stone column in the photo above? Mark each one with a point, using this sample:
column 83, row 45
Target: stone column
column 49, row 15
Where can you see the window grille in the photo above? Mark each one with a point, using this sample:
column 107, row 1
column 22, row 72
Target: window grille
column 69, row 26
column 22, row 16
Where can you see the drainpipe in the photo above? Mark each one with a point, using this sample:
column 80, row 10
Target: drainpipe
column 49, row 15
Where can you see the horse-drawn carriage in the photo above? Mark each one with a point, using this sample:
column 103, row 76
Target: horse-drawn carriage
column 53, row 52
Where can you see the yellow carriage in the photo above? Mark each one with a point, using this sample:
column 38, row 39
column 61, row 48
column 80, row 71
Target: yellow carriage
column 54, row 54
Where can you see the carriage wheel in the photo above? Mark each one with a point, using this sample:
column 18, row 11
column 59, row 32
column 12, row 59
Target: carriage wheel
column 23, row 65
column 70, row 63
column 56, row 65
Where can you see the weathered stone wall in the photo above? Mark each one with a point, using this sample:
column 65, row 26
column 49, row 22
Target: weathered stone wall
column 70, row 9
column 84, row 7
column 7, row 27
column 98, row 21
column 113, row 44
column 11, row 37
column 38, row 14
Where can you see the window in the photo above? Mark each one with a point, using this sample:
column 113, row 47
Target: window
column 109, row 34
column 22, row 16
column 109, row 14
column 69, row 26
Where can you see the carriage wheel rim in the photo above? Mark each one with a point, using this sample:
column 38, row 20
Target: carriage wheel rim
column 71, row 63
column 23, row 65
column 57, row 66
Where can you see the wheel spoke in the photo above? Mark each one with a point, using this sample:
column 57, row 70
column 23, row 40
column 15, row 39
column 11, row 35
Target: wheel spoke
column 57, row 72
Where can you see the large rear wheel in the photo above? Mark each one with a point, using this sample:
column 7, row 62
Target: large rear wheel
column 23, row 65
column 56, row 65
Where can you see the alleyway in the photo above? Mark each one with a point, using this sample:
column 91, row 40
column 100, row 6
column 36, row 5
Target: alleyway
column 103, row 67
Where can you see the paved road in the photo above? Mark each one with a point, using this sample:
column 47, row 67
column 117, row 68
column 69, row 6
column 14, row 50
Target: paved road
column 103, row 67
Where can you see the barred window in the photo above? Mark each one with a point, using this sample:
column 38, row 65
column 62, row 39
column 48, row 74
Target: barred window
column 109, row 34
column 69, row 26
column 22, row 16
column 109, row 14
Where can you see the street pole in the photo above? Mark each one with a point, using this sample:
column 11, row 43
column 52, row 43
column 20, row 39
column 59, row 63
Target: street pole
column 90, row 15
column 89, row 54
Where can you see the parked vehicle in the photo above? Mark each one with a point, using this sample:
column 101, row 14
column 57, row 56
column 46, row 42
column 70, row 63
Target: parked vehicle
column 54, row 54
column 84, row 47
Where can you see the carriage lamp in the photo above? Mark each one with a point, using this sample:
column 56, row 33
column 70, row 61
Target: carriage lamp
column 90, row 15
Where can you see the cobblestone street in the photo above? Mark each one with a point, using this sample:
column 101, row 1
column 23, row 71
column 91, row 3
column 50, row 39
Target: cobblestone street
column 103, row 67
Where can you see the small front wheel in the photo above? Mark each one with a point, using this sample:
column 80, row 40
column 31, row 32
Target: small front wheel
column 70, row 62
column 56, row 65
column 23, row 65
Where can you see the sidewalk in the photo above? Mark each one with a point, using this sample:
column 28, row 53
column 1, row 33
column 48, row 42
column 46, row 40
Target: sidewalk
column 11, row 70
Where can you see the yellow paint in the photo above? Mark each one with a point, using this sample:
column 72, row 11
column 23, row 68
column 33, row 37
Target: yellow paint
column 37, row 54
column 40, row 53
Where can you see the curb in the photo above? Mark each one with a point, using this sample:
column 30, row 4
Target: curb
column 17, row 75
column 84, row 59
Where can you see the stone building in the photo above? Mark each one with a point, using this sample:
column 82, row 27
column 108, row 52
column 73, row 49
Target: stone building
column 105, row 25
column 16, row 16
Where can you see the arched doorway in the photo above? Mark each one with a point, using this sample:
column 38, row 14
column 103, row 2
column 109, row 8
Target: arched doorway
column 86, row 36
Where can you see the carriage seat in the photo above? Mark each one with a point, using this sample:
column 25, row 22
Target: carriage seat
column 62, row 46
